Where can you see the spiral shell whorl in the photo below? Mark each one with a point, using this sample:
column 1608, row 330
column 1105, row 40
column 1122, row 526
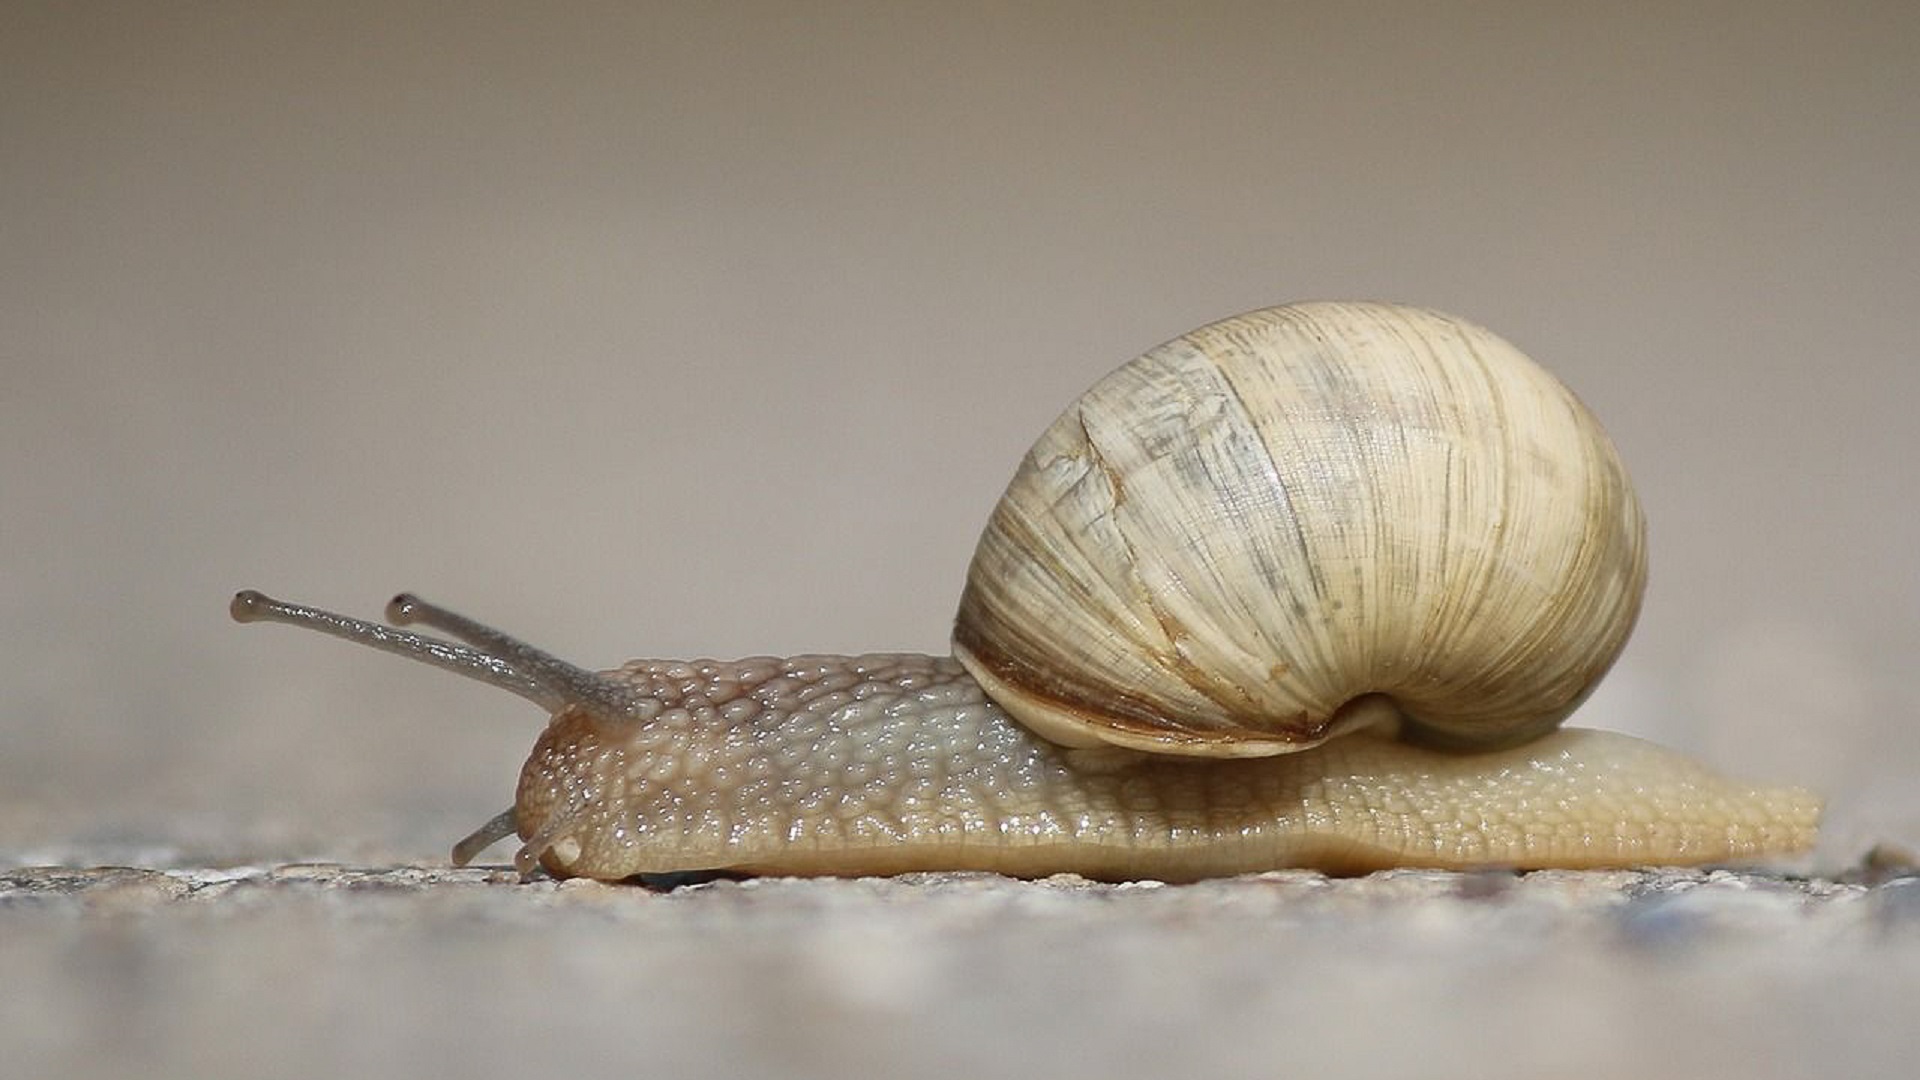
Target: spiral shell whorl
column 1228, row 545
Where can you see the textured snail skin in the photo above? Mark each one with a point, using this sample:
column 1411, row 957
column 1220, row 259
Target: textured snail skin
column 889, row 763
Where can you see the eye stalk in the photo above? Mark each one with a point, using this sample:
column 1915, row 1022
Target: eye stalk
column 489, row 655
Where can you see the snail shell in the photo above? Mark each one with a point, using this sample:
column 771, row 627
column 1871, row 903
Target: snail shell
column 1230, row 539
column 1316, row 520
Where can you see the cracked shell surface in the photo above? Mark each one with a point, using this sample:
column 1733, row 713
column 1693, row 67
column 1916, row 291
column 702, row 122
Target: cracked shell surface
column 1258, row 526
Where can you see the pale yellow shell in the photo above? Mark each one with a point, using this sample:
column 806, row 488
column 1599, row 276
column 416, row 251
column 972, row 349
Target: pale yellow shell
column 1232, row 544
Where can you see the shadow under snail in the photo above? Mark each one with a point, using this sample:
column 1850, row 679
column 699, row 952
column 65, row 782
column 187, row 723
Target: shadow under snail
column 1313, row 586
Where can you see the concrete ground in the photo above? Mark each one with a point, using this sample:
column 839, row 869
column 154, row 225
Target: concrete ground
column 314, row 969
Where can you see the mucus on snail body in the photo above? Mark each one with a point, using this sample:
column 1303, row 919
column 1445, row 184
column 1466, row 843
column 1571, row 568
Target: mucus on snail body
column 1311, row 586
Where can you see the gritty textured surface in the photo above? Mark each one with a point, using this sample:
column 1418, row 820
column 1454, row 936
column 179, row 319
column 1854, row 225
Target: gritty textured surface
column 891, row 762
column 330, row 970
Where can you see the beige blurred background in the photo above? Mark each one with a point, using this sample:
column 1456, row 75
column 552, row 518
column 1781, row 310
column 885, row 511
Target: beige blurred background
column 654, row 329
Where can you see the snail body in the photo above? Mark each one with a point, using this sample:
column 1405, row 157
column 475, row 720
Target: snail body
column 1312, row 586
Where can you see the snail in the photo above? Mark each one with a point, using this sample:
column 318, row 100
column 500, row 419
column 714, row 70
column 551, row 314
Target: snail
column 1313, row 586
